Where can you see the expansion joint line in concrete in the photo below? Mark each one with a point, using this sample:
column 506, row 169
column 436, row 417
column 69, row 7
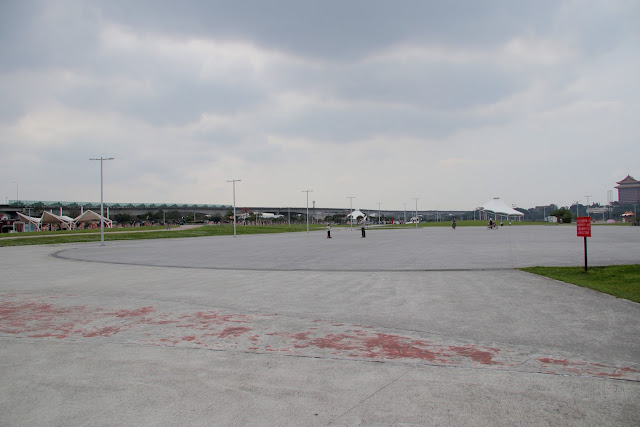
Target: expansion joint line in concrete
column 59, row 255
column 423, row 365
column 371, row 395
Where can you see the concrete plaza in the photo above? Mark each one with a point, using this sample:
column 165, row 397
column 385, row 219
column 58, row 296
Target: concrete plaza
column 428, row 327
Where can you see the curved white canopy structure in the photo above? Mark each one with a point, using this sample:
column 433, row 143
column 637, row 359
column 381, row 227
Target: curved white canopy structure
column 91, row 216
column 498, row 206
column 68, row 222
column 355, row 214
column 50, row 218
column 29, row 220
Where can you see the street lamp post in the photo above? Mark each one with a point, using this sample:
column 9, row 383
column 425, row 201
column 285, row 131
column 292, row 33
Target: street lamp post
column 351, row 210
column 234, row 203
column 307, row 191
column 379, row 212
column 588, row 203
column 577, row 209
column 416, row 199
column 102, row 159
column 405, row 212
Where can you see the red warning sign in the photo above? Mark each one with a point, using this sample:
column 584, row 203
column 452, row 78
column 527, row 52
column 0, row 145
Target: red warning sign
column 584, row 226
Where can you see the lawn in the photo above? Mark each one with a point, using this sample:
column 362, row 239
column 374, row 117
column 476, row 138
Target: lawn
column 75, row 236
column 622, row 281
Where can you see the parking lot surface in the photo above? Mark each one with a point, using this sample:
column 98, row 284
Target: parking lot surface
column 428, row 326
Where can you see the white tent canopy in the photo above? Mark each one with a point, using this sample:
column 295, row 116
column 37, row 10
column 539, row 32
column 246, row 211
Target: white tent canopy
column 91, row 216
column 68, row 222
column 30, row 220
column 355, row 214
column 499, row 207
column 50, row 218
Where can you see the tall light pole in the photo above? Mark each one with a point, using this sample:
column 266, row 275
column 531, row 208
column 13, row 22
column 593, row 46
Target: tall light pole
column 379, row 212
column 577, row 209
column 416, row 199
column 588, row 203
column 307, row 191
column 351, row 209
column 17, row 197
column 102, row 159
column 234, row 203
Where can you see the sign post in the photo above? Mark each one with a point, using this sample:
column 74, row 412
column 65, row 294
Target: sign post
column 584, row 230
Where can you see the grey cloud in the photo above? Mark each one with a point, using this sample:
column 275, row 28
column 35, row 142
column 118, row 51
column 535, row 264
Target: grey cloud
column 443, row 87
column 170, row 101
column 337, row 29
column 360, row 123
column 46, row 34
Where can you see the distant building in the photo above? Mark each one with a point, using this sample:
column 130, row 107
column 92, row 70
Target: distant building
column 628, row 191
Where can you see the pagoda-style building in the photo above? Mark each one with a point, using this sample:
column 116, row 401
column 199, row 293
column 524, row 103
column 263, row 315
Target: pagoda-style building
column 628, row 191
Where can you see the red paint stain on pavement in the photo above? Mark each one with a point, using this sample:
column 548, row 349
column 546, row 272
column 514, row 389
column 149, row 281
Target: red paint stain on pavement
column 619, row 373
column 301, row 336
column 107, row 331
column 138, row 312
column 35, row 317
column 215, row 317
column 390, row 346
column 49, row 335
column 549, row 361
column 483, row 356
column 233, row 332
column 395, row 346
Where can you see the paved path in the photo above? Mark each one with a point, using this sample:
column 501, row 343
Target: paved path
column 425, row 326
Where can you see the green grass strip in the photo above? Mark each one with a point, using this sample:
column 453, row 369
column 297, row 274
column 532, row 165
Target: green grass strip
column 622, row 281
column 140, row 233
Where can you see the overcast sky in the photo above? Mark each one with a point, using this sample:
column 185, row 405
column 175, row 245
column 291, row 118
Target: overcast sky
column 454, row 102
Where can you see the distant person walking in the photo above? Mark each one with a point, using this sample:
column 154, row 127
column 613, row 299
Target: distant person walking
column 328, row 231
column 363, row 226
column 453, row 224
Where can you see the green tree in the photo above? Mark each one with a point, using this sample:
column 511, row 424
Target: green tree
column 122, row 218
column 563, row 214
column 337, row 218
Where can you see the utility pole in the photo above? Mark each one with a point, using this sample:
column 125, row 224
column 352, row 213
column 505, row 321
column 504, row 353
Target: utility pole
column 379, row 212
column 416, row 199
column 234, row 203
column 307, row 191
column 102, row 159
column 588, row 204
column 351, row 210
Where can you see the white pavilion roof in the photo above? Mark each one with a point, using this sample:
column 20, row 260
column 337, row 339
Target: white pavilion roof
column 496, row 205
